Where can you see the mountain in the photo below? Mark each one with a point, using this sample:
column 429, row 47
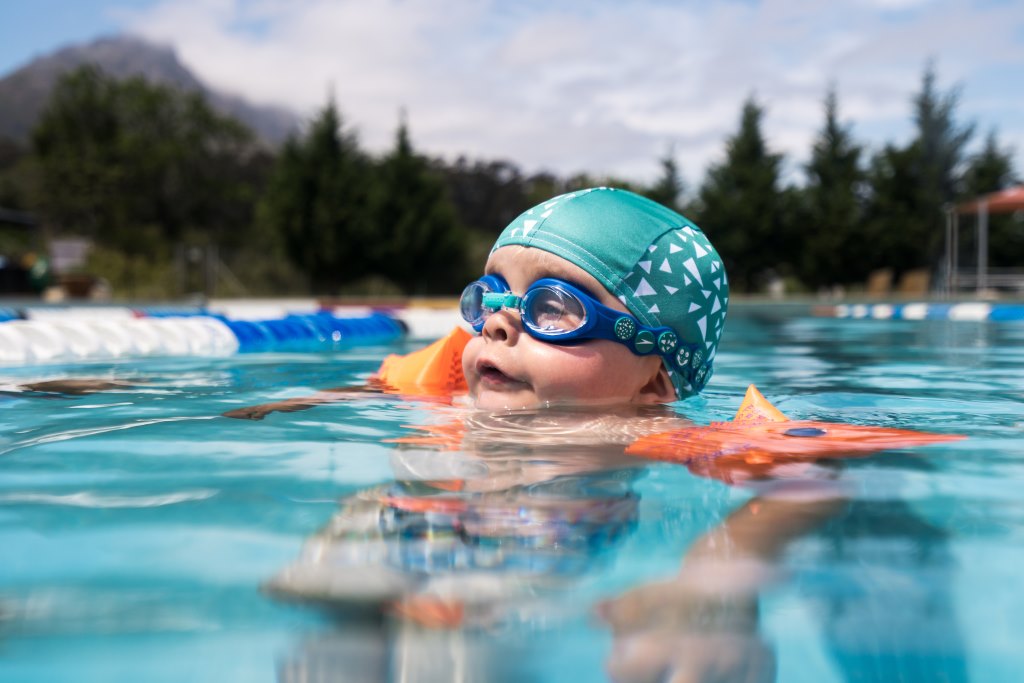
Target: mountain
column 24, row 92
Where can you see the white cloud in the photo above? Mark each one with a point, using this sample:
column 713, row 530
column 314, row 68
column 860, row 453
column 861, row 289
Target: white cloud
column 601, row 86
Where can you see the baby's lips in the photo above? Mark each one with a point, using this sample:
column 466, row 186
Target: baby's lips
column 488, row 369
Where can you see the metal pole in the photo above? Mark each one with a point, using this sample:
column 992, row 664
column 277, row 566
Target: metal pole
column 954, row 249
column 947, row 284
column 982, row 246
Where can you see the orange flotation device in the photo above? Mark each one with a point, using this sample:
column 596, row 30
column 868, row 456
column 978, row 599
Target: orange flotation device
column 754, row 444
column 760, row 438
column 432, row 371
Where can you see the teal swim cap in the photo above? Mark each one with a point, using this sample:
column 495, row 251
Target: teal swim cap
column 655, row 261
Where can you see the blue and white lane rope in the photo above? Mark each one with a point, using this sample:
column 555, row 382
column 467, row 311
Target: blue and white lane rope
column 977, row 311
column 67, row 336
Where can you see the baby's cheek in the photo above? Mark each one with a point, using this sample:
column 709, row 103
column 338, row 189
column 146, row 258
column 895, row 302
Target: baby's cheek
column 469, row 355
column 580, row 375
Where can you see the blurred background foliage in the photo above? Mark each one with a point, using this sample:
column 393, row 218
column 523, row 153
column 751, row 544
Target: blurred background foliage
column 160, row 184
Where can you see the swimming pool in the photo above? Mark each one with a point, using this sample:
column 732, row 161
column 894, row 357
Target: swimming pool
column 142, row 533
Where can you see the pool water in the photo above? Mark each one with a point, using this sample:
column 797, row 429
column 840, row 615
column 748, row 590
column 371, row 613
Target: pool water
column 144, row 537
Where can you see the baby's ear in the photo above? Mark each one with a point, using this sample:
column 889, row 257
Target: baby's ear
column 658, row 389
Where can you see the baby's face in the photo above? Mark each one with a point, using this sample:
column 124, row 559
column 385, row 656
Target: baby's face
column 506, row 368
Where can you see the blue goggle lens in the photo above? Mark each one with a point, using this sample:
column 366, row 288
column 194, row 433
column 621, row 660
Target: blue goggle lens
column 552, row 311
column 471, row 305
column 483, row 297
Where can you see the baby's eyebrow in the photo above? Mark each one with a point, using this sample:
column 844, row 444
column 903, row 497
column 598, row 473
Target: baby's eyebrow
column 572, row 280
column 549, row 273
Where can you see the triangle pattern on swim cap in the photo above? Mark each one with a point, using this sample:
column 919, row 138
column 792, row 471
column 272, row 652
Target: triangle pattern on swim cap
column 644, row 288
column 691, row 266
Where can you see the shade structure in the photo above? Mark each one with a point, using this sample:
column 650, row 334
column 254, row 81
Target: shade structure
column 1004, row 201
column 1009, row 200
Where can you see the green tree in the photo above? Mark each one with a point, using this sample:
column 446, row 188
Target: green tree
column 136, row 166
column 318, row 202
column 741, row 208
column 419, row 244
column 894, row 223
column 910, row 187
column 941, row 142
column 668, row 189
column 832, row 204
column 990, row 170
column 15, row 173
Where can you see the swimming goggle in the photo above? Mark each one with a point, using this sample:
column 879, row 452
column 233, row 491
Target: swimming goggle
column 557, row 312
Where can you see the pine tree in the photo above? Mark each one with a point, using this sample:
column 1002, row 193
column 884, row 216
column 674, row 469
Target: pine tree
column 669, row 187
column 940, row 141
column 740, row 207
column 894, row 220
column 989, row 170
column 420, row 244
column 318, row 201
column 911, row 187
column 832, row 205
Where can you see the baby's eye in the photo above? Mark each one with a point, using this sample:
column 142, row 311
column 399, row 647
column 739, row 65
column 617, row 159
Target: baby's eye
column 552, row 310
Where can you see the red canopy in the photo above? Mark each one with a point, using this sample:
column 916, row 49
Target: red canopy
column 1005, row 201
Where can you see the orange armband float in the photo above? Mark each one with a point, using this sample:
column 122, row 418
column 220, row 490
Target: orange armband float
column 432, row 371
column 760, row 438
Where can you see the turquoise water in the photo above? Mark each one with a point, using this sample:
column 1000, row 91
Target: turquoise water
column 146, row 537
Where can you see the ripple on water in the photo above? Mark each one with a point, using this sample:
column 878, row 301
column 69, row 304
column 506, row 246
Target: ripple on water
column 87, row 499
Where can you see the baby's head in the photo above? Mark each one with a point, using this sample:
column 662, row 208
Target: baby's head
column 635, row 318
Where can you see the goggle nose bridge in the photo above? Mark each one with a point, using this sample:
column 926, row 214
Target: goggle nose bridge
column 496, row 301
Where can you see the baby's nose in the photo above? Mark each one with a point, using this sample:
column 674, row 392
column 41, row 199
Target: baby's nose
column 502, row 326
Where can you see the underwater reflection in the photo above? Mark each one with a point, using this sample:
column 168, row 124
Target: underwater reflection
column 463, row 568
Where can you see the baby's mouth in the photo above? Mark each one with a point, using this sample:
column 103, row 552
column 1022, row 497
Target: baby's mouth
column 493, row 378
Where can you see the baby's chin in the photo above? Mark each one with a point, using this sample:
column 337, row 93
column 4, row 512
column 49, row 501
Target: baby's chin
column 495, row 401
column 501, row 401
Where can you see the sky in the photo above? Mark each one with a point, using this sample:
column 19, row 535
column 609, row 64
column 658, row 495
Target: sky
column 587, row 85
